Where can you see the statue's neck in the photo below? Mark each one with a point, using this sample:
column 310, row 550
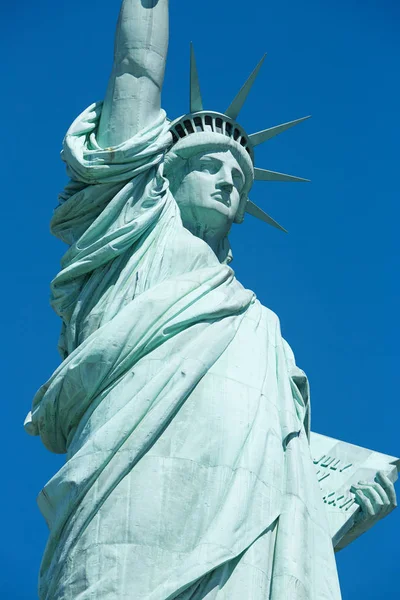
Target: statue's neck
column 219, row 243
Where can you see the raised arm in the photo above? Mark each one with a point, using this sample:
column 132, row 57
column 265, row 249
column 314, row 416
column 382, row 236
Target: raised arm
column 133, row 95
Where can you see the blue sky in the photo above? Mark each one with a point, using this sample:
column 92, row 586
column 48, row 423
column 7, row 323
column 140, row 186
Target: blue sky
column 333, row 280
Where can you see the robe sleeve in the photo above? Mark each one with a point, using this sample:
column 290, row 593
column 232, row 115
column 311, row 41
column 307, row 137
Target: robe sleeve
column 114, row 198
column 97, row 174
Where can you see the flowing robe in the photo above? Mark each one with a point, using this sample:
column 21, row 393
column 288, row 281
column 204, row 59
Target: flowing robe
column 178, row 403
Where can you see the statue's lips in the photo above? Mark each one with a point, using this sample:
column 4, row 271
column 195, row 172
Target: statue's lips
column 223, row 198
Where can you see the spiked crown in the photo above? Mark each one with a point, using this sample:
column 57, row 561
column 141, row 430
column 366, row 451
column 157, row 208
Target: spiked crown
column 204, row 129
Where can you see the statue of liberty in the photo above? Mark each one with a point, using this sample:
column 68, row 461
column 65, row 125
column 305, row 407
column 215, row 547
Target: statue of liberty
column 183, row 415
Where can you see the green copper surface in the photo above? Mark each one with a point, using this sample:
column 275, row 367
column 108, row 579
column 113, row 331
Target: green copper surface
column 182, row 413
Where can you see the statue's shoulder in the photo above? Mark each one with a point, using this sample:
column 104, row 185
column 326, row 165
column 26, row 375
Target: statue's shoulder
column 270, row 317
column 269, row 321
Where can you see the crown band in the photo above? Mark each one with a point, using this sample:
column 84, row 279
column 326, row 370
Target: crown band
column 214, row 122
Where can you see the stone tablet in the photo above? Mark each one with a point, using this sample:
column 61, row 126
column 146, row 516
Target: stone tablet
column 340, row 465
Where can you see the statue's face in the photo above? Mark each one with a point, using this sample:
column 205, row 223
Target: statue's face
column 209, row 193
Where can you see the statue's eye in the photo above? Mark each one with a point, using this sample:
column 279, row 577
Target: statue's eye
column 209, row 167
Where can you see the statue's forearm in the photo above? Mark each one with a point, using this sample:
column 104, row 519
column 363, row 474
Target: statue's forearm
column 133, row 95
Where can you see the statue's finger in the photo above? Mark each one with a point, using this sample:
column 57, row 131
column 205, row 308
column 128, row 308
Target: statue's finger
column 379, row 489
column 388, row 486
column 365, row 504
column 382, row 493
column 378, row 501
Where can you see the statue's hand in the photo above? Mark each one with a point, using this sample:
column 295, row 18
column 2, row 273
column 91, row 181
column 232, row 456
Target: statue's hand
column 376, row 499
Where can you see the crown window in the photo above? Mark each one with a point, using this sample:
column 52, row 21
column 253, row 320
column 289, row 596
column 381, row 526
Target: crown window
column 218, row 125
column 208, row 123
column 189, row 126
column 198, row 123
column 180, row 131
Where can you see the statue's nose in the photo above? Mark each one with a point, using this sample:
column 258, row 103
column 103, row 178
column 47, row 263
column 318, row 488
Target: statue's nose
column 225, row 180
column 226, row 186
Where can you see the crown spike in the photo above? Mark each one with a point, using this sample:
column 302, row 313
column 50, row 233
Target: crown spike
column 196, row 102
column 255, row 211
column 237, row 104
column 262, row 136
column 264, row 175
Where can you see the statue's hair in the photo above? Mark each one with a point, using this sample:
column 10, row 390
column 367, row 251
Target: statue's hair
column 176, row 173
